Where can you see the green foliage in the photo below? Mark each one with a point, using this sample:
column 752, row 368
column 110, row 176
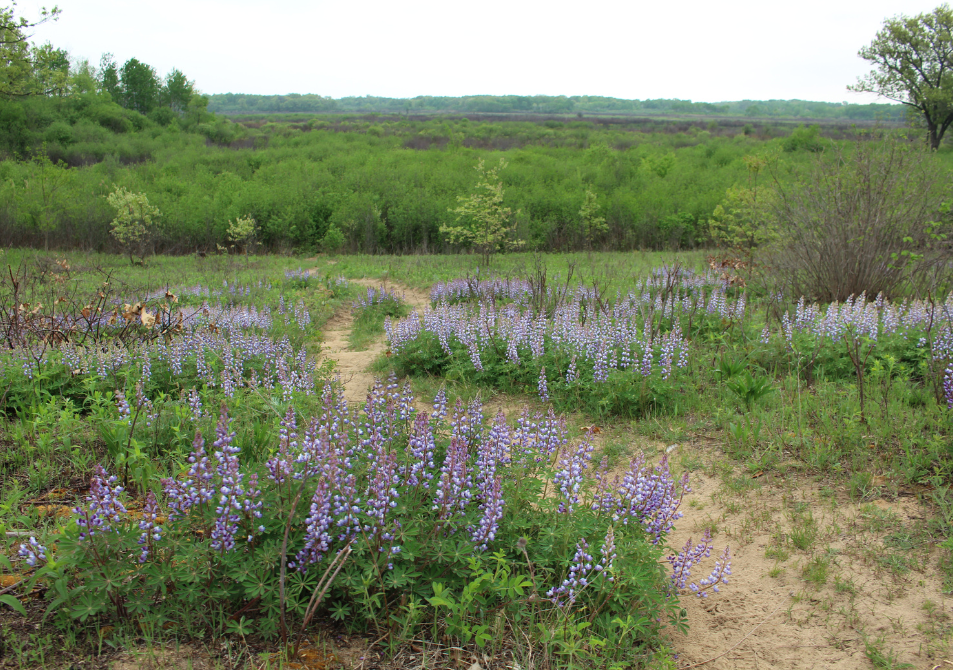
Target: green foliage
column 483, row 223
column 749, row 389
column 804, row 138
column 241, row 103
column 911, row 55
column 24, row 70
column 591, row 223
column 135, row 222
column 243, row 231
column 333, row 240
column 744, row 221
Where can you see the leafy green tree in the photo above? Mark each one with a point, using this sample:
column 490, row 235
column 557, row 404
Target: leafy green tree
column 140, row 86
column 51, row 70
column 592, row 224
column 743, row 221
column 42, row 198
column 177, row 91
column 83, row 78
column 333, row 240
column 242, row 232
column 136, row 221
column 913, row 57
column 483, row 223
column 16, row 62
column 109, row 78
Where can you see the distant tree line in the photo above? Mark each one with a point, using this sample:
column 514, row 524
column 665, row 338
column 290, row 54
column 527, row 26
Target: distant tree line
column 238, row 103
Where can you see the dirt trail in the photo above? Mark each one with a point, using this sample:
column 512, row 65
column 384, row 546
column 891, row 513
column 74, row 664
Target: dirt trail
column 353, row 365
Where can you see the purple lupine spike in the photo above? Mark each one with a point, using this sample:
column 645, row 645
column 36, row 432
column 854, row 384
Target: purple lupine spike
column 948, row 387
column 571, row 473
column 195, row 404
column 381, row 491
column 608, row 554
column 122, row 405
column 33, row 552
column 440, row 405
column 718, row 575
column 453, row 491
column 420, row 447
column 492, row 508
column 151, row 531
column 317, row 526
column 542, row 387
column 578, row 578
column 103, row 506
column 649, row 496
column 688, row 557
column 197, row 488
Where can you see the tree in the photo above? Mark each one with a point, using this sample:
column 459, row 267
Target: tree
column 242, row 232
column 16, row 62
column 109, row 77
column 50, row 70
column 914, row 66
column 592, row 224
column 177, row 91
column 483, row 223
column 136, row 221
column 743, row 222
column 140, row 86
column 43, row 193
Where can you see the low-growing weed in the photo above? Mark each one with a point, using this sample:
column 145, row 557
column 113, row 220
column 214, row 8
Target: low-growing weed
column 816, row 571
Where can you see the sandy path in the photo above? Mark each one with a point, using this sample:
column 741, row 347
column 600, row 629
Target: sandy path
column 774, row 615
column 353, row 365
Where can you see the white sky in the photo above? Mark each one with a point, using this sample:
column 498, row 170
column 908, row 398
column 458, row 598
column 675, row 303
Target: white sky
column 702, row 50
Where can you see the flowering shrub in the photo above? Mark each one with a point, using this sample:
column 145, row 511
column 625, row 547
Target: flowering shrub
column 447, row 519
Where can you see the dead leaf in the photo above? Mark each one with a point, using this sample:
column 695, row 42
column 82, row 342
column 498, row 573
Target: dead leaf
column 148, row 320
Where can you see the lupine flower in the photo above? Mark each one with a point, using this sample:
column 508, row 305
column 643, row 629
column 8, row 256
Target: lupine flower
column 122, row 405
column 151, row 532
column 197, row 488
column 233, row 499
column 492, row 508
column 689, row 556
column 570, row 475
column 649, row 496
column 453, row 491
column 103, row 506
column 420, row 447
column 317, row 526
column 583, row 570
column 33, row 552
column 195, row 404
column 543, row 388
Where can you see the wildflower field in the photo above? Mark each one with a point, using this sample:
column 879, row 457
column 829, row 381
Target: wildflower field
column 578, row 460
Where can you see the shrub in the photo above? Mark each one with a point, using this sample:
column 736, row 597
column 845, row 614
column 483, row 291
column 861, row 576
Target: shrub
column 862, row 221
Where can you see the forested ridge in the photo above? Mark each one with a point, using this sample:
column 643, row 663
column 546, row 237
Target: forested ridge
column 240, row 103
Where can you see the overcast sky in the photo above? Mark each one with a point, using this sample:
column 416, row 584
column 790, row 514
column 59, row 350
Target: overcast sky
column 701, row 50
